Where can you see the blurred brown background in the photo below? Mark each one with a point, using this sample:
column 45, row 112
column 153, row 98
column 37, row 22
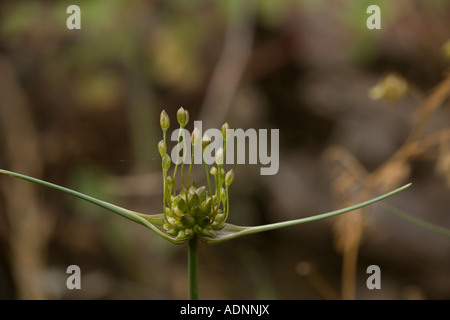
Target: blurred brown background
column 80, row 108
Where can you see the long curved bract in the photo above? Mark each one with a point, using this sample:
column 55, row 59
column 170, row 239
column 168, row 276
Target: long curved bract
column 155, row 222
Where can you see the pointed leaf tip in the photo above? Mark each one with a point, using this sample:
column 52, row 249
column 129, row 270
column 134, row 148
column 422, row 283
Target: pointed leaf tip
column 232, row 231
column 152, row 222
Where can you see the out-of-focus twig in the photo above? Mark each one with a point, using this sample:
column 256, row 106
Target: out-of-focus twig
column 236, row 51
column 317, row 280
column 29, row 222
column 349, row 229
column 408, row 149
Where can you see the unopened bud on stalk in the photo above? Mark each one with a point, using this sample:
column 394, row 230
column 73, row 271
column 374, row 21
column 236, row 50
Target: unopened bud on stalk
column 187, row 220
column 161, row 148
column 213, row 171
column 219, row 157
column 225, row 133
column 164, row 121
column 229, row 177
column 196, row 136
column 201, row 192
column 208, row 232
column 181, row 234
column 170, row 181
column 203, row 221
column 166, row 162
column 197, row 229
column 182, row 117
column 205, row 141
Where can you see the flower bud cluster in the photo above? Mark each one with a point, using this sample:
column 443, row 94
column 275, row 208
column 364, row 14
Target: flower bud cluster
column 194, row 211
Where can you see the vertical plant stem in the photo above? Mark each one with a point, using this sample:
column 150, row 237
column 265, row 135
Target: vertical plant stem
column 184, row 157
column 193, row 268
column 227, row 209
column 164, row 170
column 207, row 178
column 190, row 167
column 178, row 155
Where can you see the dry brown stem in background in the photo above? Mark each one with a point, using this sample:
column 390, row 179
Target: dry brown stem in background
column 352, row 183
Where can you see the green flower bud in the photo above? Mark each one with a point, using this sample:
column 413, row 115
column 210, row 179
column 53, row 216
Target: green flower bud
column 225, row 132
column 204, row 221
column 201, row 192
column 177, row 211
column 172, row 231
column 218, row 220
column 196, row 211
column 187, row 220
column 206, row 207
column 213, row 171
column 194, row 199
column 223, row 194
column 229, row 177
column 181, row 234
column 161, row 147
column 196, row 136
column 192, row 188
column 170, row 181
column 188, row 232
column 164, row 121
column 172, row 221
column 166, row 162
column 205, row 141
column 175, row 199
column 182, row 117
column 182, row 206
column 197, row 229
column 208, row 232
column 167, row 211
column 219, row 156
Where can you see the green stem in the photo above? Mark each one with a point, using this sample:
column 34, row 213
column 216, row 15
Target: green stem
column 178, row 154
column 219, row 184
column 193, row 268
column 190, row 167
column 164, row 171
column 184, row 158
column 227, row 211
column 207, row 178
column 418, row 222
